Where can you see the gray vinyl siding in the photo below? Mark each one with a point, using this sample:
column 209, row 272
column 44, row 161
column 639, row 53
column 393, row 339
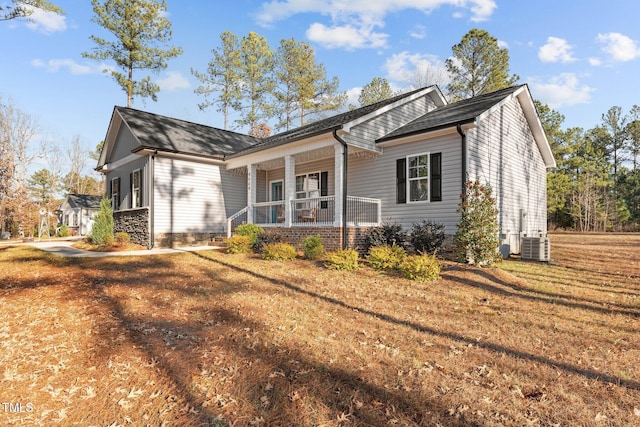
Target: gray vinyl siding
column 124, row 173
column 504, row 154
column 376, row 178
column 125, row 143
column 365, row 134
column 193, row 197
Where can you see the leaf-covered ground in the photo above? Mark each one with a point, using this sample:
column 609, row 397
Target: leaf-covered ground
column 207, row 338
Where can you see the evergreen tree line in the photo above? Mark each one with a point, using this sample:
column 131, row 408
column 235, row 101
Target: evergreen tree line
column 596, row 185
column 262, row 84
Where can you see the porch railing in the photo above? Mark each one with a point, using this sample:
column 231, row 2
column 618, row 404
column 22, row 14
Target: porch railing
column 315, row 211
column 236, row 219
column 363, row 211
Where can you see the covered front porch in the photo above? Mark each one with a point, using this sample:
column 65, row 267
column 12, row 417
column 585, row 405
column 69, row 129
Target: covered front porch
column 302, row 186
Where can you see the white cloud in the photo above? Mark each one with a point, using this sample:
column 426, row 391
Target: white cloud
column 556, row 50
column 418, row 32
column 46, row 22
column 55, row 65
column 596, row 62
column 173, row 81
column 352, row 96
column 561, row 91
column 619, row 46
column 416, row 69
column 346, row 36
column 354, row 23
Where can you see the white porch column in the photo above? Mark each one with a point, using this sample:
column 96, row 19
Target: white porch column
column 252, row 180
column 337, row 179
column 289, row 187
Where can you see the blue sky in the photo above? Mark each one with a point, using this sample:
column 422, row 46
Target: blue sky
column 581, row 58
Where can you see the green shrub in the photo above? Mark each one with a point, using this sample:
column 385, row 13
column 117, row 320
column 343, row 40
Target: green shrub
column 251, row 230
column 239, row 244
column 123, row 237
column 386, row 257
column 424, row 268
column 102, row 229
column 342, row 259
column 312, row 247
column 477, row 239
column 385, row 234
column 427, row 236
column 63, row 231
column 279, row 252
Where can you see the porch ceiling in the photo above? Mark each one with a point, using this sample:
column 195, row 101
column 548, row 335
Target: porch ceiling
column 312, row 156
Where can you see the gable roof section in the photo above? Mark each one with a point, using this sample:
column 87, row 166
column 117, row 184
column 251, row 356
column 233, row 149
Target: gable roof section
column 470, row 110
column 461, row 112
column 83, row 201
column 336, row 122
column 166, row 134
column 179, row 136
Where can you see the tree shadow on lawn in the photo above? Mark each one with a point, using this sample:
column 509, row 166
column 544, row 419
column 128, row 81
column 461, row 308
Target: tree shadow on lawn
column 176, row 352
column 298, row 390
column 596, row 282
column 587, row 373
column 507, row 289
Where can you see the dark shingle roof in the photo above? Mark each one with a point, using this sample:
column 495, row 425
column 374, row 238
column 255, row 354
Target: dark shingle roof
column 464, row 111
column 326, row 125
column 84, row 201
column 179, row 136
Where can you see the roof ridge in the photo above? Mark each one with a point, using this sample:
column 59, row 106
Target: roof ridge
column 190, row 122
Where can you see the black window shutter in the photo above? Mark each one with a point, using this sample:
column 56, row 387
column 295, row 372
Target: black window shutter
column 436, row 177
column 401, row 181
column 140, row 192
column 324, row 188
column 116, row 202
column 131, row 190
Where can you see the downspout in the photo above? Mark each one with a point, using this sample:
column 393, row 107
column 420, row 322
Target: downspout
column 151, row 181
column 464, row 157
column 344, row 187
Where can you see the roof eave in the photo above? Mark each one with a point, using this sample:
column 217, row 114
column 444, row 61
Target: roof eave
column 255, row 149
column 444, row 126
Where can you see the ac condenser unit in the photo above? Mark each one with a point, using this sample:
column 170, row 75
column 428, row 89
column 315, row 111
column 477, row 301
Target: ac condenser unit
column 536, row 248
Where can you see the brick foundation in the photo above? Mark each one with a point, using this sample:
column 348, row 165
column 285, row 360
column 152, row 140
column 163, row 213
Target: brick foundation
column 169, row 240
column 331, row 236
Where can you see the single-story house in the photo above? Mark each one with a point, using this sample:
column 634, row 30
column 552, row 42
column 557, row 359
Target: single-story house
column 77, row 212
column 400, row 160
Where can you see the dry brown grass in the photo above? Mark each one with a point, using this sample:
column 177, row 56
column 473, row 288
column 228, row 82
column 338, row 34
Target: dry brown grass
column 213, row 339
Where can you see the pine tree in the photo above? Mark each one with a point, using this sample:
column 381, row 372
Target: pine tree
column 375, row 91
column 102, row 230
column 140, row 28
column 25, row 8
column 479, row 65
column 222, row 77
column 256, row 76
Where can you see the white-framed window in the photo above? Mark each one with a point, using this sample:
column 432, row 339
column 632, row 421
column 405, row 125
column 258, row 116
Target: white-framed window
column 136, row 189
column 308, row 185
column 418, row 177
column 115, row 194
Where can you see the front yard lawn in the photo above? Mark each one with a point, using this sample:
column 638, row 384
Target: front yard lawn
column 207, row 338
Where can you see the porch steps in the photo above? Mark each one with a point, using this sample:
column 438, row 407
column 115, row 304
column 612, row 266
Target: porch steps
column 217, row 240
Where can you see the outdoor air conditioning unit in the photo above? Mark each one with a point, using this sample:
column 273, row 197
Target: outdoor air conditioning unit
column 536, row 248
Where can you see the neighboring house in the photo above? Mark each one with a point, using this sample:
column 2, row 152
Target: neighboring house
column 400, row 160
column 77, row 212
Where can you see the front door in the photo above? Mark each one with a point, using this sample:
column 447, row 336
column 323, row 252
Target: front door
column 277, row 195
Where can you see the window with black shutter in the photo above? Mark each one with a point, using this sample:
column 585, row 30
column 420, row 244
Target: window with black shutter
column 401, row 181
column 436, row 177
